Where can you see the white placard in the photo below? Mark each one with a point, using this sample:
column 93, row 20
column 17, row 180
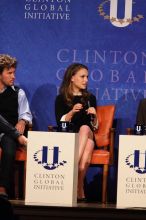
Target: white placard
column 52, row 168
column 131, row 191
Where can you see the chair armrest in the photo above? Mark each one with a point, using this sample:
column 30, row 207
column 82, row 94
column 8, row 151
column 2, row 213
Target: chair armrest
column 29, row 127
column 129, row 131
column 52, row 128
column 112, row 136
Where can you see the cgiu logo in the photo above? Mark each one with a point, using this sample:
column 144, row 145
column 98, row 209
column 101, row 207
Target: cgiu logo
column 112, row 16
column 49, row 158
column 137, row 161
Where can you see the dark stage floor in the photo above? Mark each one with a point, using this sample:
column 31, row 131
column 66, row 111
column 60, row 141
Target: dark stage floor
column 83, row 211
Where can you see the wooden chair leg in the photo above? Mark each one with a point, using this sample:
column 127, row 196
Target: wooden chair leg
column 104, row 189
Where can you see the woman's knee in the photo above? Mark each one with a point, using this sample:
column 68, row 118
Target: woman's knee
column 85, row 130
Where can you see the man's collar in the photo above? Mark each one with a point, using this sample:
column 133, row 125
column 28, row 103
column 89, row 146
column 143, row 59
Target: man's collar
column 13, row 87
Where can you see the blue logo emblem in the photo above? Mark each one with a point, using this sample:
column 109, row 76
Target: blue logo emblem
column 137, row 161
column 49, row 157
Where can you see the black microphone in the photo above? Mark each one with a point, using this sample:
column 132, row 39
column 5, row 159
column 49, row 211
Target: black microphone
column 91, row 115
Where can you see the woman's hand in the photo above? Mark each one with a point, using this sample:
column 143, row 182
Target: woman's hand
column 92, row 111
column 76, row 108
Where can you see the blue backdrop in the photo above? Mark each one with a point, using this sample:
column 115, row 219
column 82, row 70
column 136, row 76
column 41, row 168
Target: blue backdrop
column 106, row 35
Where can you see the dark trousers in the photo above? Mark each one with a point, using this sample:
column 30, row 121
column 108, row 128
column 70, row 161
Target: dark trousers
column 7, row 162
column 8, row 144
column 7, row 128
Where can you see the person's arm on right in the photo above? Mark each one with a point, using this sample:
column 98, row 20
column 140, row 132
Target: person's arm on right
column 7, row 128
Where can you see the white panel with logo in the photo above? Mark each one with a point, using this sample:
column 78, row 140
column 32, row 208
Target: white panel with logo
column 52, row 168
column 131, row 190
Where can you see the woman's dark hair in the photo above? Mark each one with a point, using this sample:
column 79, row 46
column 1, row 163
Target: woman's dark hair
column 66, row 87
column 7, row 61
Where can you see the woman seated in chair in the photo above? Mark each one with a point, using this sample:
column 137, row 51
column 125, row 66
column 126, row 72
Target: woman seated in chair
column 78, row 106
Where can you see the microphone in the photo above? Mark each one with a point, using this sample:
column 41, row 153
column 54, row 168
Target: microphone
column 91, row 115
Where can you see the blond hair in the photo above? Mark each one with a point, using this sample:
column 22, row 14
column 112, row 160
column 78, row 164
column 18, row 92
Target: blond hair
column 7, row 61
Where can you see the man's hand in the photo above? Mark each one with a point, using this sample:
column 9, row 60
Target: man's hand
column 22, row 140
column 20, row 126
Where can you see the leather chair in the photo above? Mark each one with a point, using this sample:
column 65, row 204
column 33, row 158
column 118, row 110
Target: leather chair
column 104, row 138
column 20, row 170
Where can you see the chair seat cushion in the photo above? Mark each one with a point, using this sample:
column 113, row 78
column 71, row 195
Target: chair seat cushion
column 100, row 157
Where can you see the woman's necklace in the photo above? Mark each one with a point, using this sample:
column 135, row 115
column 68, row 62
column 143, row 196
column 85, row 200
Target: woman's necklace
column 77, row 93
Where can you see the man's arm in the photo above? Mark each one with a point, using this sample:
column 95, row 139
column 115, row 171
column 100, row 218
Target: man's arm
column 7, row 128
column 24, row 113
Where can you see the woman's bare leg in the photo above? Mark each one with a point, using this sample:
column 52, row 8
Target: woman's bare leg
column 84, row 133
column 86, row 146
